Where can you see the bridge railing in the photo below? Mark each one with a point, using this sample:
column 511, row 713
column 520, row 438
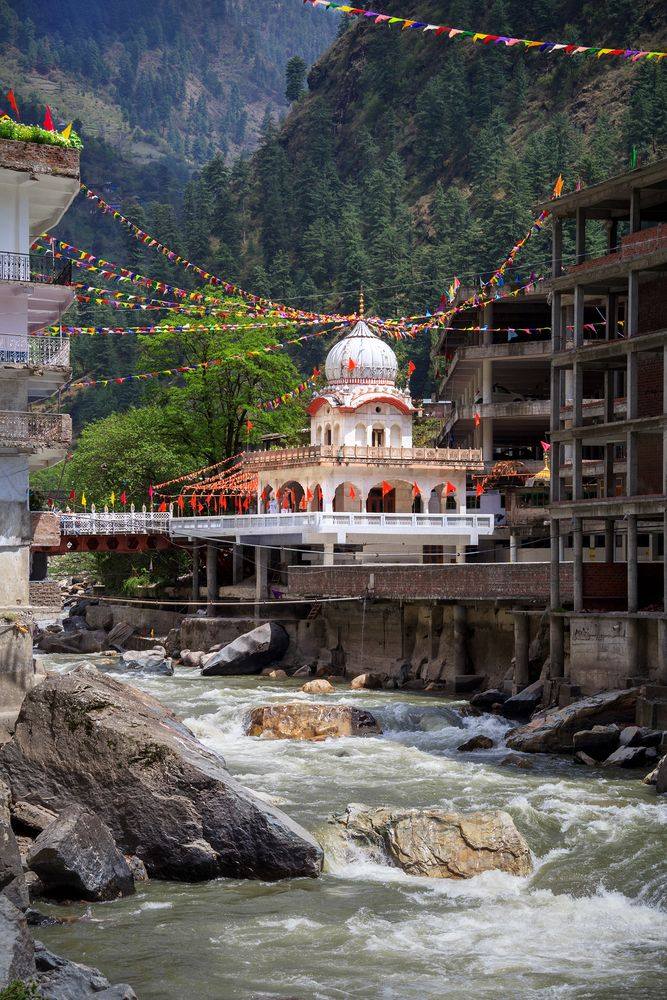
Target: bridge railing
column 109, row 523
column 50, row 352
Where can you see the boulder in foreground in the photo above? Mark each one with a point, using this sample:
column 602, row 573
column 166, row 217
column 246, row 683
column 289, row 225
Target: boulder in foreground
column 249, row 653
column 85, row 738
column 76, row 858
column 438, row 844
column 59, row 979
column 297, row 720
column 370, row 682
column 553, row 731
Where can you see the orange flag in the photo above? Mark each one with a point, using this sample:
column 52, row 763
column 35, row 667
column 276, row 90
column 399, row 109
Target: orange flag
column 12, row 103
column 449, row 488
column 477, row 420
column 249, row 425
column 351, row 365
column 415, row 490
column 181, row 502
column 353, row 493
column 163, row 507
column 309, row 494
column 411, row 367
column 479, row 489
column 386, row 488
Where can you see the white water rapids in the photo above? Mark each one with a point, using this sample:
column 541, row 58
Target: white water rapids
column 591, row 922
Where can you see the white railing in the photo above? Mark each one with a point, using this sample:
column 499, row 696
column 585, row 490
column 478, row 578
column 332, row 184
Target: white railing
column 363, row 454
column 448, row 524
column 19, row 429
column 109, row 523
column 51, row 352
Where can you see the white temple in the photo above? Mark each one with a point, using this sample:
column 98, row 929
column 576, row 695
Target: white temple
column 360, row 485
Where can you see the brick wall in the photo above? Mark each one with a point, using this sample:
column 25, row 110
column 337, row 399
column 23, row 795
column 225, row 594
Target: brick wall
column 45, row 593
column 605, row 586
column 652, row 305
column 650, row 381
column 45, row 528
column 469, row 581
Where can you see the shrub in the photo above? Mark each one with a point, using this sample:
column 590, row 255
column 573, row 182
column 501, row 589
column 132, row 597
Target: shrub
column 10, row 129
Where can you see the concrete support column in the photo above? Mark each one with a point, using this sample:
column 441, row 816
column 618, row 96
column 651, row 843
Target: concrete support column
column 635, row 211
column 631, row 464
column 514, row 547
column 632, row 312
column 578, row 317
column 460, row 553
column 609, row 537
column 328, row 554
column 195, row 572
column 556, row 641
column 261, row 573
column 521, row 646
column 578, row 563
column 662, row 651
column 487, row 398
column 557, row 646
column 554, row 579
column 631, row 556
column 580, row 235
column 636, row 662
column 610, row 324
column 237, row 564
column 557, row 246
column 211, row 579
column 460, row 639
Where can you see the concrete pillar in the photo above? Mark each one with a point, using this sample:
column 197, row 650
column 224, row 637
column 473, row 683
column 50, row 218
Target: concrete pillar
column 328, row 554
column 487, row 398
column 557, row 246
column 554, row 592
column 609, row 539
column 578, row 563
column 636, row 662
column 521, row 646
column 557, row 646
column 662, row 651
column 237, row 564
column 514, row 546
column 635, row 211
column 610, row 330
column 460, row 639
column 261, row 573
column 580, row 235
column 460, row 553
column 631, row 556
column 195, row 572
column 632, row 311
column 211, row 579
column 578, row 318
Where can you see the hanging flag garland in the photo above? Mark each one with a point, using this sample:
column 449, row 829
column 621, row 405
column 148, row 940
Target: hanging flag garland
column 444, row 31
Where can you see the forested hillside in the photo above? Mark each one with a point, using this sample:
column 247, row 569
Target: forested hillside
column 411, row 159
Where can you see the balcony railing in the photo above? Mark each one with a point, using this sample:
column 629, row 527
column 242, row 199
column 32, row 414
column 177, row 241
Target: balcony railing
column 319, row 522
column 34, row 267
column 361, row 454
column 108, row 523
column 49, row 352
column 34, row 430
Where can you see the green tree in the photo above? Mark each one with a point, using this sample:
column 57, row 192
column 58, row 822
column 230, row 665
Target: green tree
column 295, row 78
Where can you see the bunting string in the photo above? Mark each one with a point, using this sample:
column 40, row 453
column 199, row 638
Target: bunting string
column 484, row 38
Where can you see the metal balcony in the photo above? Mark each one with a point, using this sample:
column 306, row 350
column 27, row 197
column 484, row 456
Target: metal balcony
column 34, row 267
column 23, row 431
column 37, row 351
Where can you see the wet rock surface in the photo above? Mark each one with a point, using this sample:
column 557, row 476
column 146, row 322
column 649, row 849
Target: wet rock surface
column 17, row 958
column 249, row 653
column 76, row 858
column 523, row 704
column 59, row 979
column 487, row 699
column 476, row 743
column 553, row 731
column 597, row 742
column 438, row 844
column 150, row 661
column 319, row 686
column 84, row 738
column 370, row 682
column 12, row 881
column 310, row 721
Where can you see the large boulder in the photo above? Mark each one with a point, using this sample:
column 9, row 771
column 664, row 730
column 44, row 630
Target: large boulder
column 12, row 882
column 597, row 742
column 487, row 699
column 553, row 731
column 298, row 720
column 479, row 742
column 523, row 704
column 76, row 858
column 17, row 951
column 85, row 738
column 59, row 979
column 73, row 642
column 149, row 661
column 370, row 682
column 319, row 686
column 119, row 635
column 438, row 844
column 249, row 653
column 631, row 757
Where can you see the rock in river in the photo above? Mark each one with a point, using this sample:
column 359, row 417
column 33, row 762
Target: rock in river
column 318, row 686
column 85, row 738
column 476, row 743
column 247, row 654
column 438, row 844
column 553, row 731
column 76, row 858
column 297, row 720
column 149, row 661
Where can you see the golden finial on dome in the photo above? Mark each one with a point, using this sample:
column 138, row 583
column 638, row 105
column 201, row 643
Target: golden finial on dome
column 361, row 302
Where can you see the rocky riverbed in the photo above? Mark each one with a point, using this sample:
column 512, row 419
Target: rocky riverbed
column 589, row 921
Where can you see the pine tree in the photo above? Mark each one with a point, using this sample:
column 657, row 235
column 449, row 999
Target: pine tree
column 295, row 78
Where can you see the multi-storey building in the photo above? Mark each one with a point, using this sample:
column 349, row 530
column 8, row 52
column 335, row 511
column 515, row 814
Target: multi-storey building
column 37, row 184
column 609, row 430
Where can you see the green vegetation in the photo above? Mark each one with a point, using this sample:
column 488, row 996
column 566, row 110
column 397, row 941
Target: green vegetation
column 19, row 990
column 35, row 133
column 295, row 79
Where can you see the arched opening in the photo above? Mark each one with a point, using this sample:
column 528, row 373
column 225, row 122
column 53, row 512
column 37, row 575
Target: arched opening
column 390, row 496
column 396, row 436
column 336, row 434
column 360, row 435
column 292, row 497
column 318, row 434
column 450, row 503
column 327, row 434
column 314, row 498
column 347, row 498
column 268, row 502
column 443, row 500
column 417, row 504
column 377, row 437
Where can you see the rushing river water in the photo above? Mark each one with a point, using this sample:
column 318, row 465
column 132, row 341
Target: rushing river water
column 591, row 922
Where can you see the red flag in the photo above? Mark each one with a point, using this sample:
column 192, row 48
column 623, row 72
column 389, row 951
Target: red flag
column 193, row 502
column 209, row 500
column 386, row 488
column 249, row 425
column 351, row 365
column 123, row 498
column 200, row 508
column 72, row 495
column 477, row 420
column 411, row 367
column 246, row 503
column 302, row 503
column 353, row 493
column 181, row 503
column 545, row 445
column 449, row 488
column 316, row 373
column 48, row 120
column 415, row 490
column 223, row 501
column 309, row 494
column 163, row 507
column 12, row 103
column 479, row 489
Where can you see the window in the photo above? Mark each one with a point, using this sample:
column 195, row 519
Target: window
column 472, row 502
column 377, row 437
column 327, row 435
column 598, row 541
column 433, row 554
column 450, row 503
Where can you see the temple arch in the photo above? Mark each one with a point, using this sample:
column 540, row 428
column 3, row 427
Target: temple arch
column 399, row 499
column 396, row 436
column 347, row 498
column 292, row 494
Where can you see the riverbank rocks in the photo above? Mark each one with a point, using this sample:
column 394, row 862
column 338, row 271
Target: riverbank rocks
column 297, row 720
column 319, row 686
column 73, row 642
column 370, row 682
column 149, row 661
column 487, row 699
column 553, row 731
column 435, row 843
column 59, row 979
column 523, row 704
column 630, row 757
column 476, row 743
column 12, row 880
column 597, row 742
column 17, row 959
column 85, row 738
column 75, row 857
column 249, row 653
column 277, row 675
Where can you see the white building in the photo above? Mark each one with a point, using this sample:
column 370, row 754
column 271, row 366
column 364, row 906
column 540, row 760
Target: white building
column 37, row 184
column 360, row 490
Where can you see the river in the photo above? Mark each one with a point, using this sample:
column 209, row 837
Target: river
column 591, row 922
